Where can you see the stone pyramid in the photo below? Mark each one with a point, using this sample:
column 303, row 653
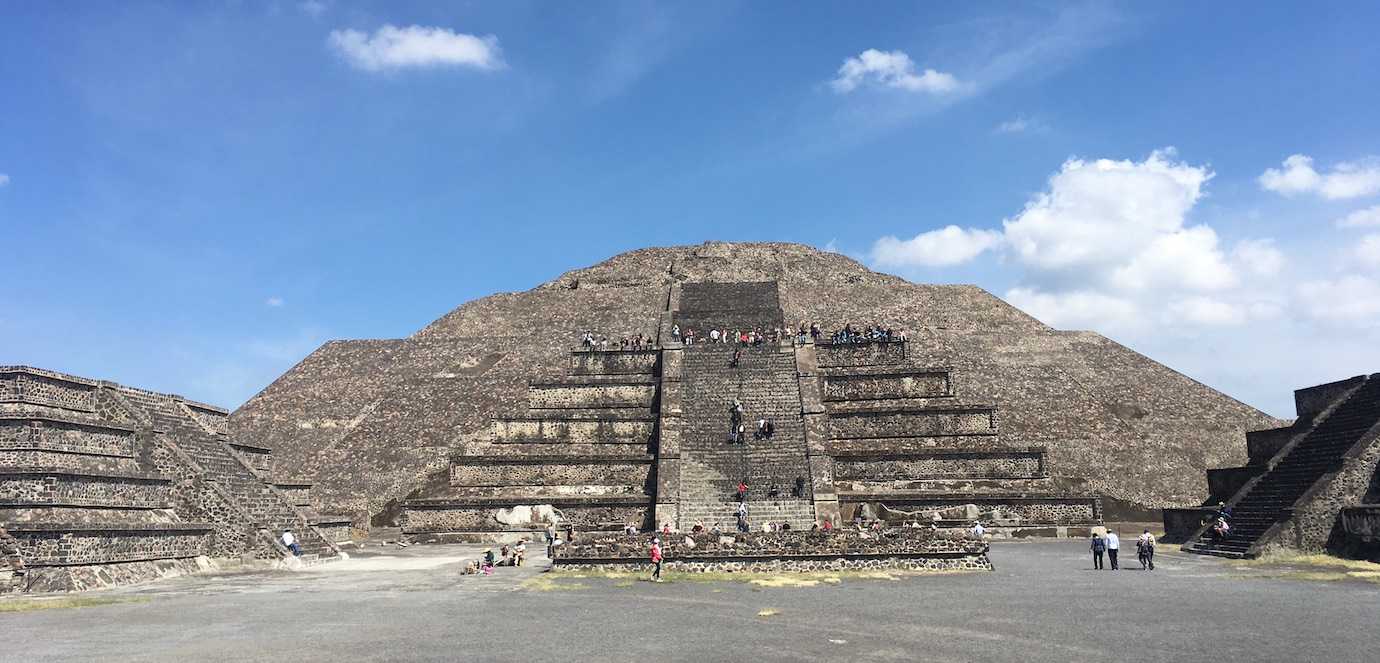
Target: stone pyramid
column 372, row 422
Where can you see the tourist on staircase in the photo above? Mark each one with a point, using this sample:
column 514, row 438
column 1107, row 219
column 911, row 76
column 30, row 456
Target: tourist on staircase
column 290, row 542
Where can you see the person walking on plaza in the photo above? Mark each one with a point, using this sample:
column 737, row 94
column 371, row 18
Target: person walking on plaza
column 1113, row 547
column 1145, row 546
column 290, row 542
column 1099, row 546
column 656, row 559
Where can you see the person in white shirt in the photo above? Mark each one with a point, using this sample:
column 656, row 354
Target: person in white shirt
column 1113, row 547
column 978, row 530
column 290, row 542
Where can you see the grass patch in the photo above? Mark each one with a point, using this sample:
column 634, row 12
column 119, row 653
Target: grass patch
column 1314, row 568
column 623, row 583
column 61, row 602
column 547, row 583
column 768, row 612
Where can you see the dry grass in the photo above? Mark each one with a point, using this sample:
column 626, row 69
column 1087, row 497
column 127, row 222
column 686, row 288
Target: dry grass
column 768, row 612
column 548, row 582
column 777, row 579
column 61, row 602
column 1316, row 568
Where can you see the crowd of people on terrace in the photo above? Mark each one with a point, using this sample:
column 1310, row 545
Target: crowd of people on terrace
column 591, row 341
column 804, row 333
column 750, row 336
column 515, row 555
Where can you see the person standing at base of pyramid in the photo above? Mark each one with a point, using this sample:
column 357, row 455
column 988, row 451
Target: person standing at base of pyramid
column 1113, row 548
column 1145, row 546
column 1099, row 546
column 656, row 559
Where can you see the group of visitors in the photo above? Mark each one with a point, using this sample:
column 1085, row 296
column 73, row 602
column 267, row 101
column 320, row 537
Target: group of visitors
column 869, row 334
column 1221, row 522
column 1110, row 545
column 515, row 555
column 743, row 337
column 590, row 341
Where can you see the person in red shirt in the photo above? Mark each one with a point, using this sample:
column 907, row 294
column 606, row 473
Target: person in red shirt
column 656, row 560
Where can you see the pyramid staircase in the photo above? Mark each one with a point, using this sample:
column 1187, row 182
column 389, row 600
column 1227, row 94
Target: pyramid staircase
column 1320, row 446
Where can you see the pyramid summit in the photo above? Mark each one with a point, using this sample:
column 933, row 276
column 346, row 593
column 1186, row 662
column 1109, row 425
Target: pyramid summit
column 375, row 422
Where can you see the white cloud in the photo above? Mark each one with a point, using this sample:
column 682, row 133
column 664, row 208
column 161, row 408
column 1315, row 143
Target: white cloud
column 944, row 247
column 1368, row 250
column 1361, row 218
column 1081, row 309
column 1346, row 180
column 4, row 179
column 1205, row 311
column 1103, row 213
column 275, row 302
column 1349, row 299
column 893, row 69
column 1258, row 256
column 391, row 47
column 1187, row 259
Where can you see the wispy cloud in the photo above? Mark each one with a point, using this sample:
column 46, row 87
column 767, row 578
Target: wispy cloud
column 1021, row 124
column 4, row 179
column 313, row 8
column 415, row 46
column 1361, row 218
column 274, row 302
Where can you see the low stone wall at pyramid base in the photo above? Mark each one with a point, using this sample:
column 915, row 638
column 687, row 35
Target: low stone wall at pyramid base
column 1002, row 516
column 509, row 519
column 799, row 552
column 1357, row 535
column 86, row 577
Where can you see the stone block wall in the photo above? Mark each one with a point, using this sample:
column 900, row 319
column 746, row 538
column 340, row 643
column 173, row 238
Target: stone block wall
column 1317, row 512
column 911, row 422
column 259, row 458
column 849, row 387
column 213, row 420
column 613, row 362
column 780, row 551
column 66, row 436
column 481, row 517
column 33, row 386
column 297, row 494
column 33, row 487
column 1311, row 401
column 592, row 395
column 846, row 355
column 549, row 472
column 1013, row 465
column 994, row 510
column 1262, row 445
column 575, row 431
column 39, row 547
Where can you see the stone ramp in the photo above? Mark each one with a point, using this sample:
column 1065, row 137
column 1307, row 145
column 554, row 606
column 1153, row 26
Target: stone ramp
column 766, row 383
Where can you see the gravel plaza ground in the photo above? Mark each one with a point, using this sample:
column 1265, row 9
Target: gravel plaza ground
column 1042, row 603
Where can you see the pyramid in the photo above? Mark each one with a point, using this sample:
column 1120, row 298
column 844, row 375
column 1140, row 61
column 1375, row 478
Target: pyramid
column 373, row 422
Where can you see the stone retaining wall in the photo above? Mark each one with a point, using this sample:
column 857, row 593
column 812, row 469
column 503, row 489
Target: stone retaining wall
column 613, row 362
column 473, row 472
column 96, row 546
column 64, row 436
column 44, row 390
column 1008, row 466
column 28, row 487
column 829, row 355
column 913, row 422
column 554, row 396
column 576, row 431
column 481, row 517
column 887, row 386
column 781, row 551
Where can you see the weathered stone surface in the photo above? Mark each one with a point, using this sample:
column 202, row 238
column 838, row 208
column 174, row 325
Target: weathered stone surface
column 369, row 420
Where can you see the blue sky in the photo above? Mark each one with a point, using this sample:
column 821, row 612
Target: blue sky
column 193, row 196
